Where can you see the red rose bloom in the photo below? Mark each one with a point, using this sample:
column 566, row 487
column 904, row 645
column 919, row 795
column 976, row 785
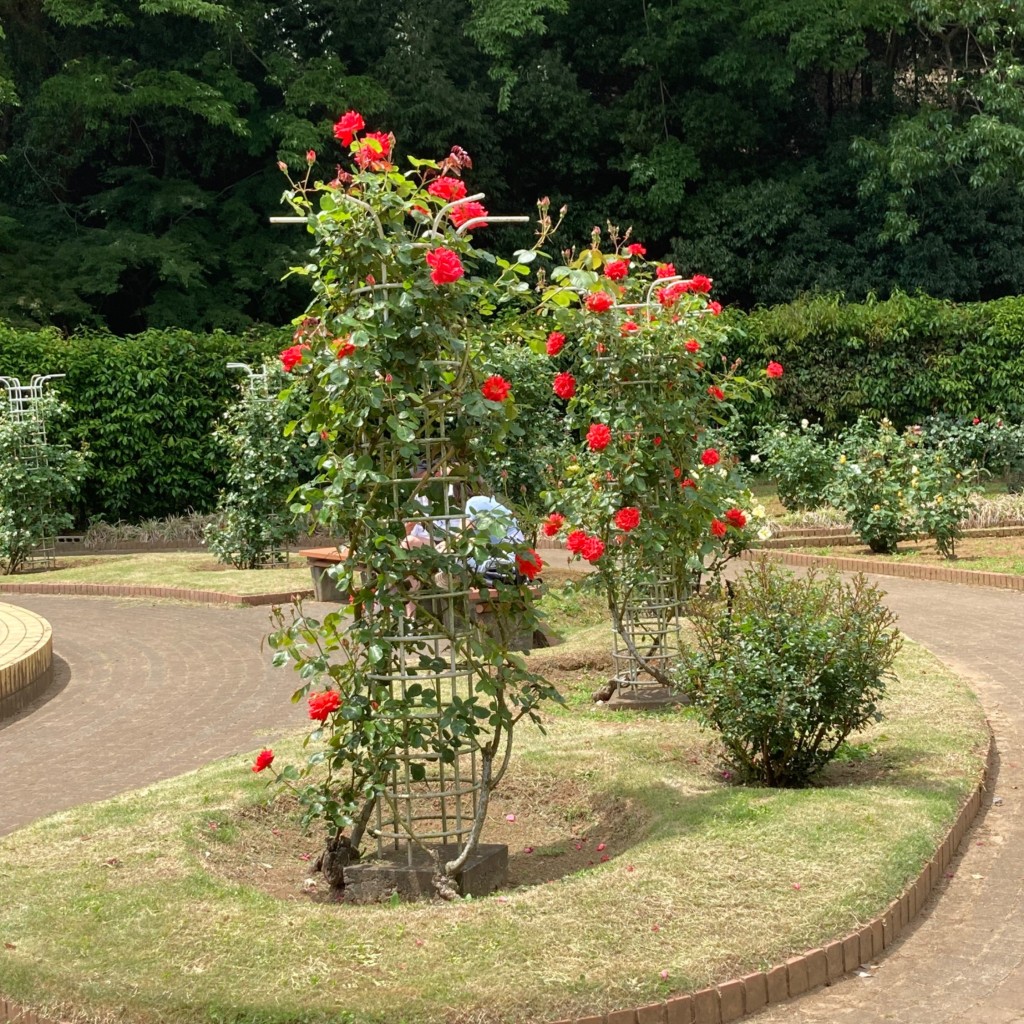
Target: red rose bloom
column 495, row 389
column 555, row 343
column 616, row 270
column 374, row 150
column 264, row 759
column 657, row 440
column 564, row 386
column 599, row 302
column 665, row 270
column 448, row 189
column 445, row 265
column 700, row 283
column 677, row 472
column 774, row 369
column 529, row 564
column 322, row 704
column 629, row 327
column 598, row 437
column 710, row 457
column 467, row 211
column 688, row 482
column 575, row 541
column 347, row 125
column 718, row 528
column 975, row 421
column 627, row 518
column 715, row 308
column 737, row 518
column 593, row 549
column 692, row 345
column 636, row 249
column 344, row 347
column 553, row 524
column 291, row 357
column 717, row 393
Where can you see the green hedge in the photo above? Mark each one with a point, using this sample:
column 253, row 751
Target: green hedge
column 144, row 406
column 905, row 358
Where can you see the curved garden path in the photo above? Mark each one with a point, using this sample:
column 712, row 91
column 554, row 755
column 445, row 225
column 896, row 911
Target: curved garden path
column 147, row 691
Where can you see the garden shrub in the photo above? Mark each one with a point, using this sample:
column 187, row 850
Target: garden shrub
column 38, row 482
column 801, row 461
column 254, row 524
column 787, row 668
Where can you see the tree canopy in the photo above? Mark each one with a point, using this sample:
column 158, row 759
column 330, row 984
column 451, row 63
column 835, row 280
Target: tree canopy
column 781, row 146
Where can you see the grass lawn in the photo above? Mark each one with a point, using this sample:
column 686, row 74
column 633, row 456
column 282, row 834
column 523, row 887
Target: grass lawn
column 195, row 570
column 980, row 554
column 189, row 902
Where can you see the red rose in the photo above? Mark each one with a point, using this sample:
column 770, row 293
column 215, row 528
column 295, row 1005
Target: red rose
column 264, row 759
column 636, row 249
column 715, row 308
column 592, row 549
column 677, row 472
column 616, row 270
column 629, row 327
column 291, row 357
column 975, row 421
column 627, row 518
column 553, row 524
column 710, row 457
column 445, row 265
column 310, row 156
column 347, row 125
column 322, row 704
column 564, row 386
column 737, row 518
column 495, row 389
column 598, row 437
column 575, row 541
column 700, row 283
column 692, row 345
column 344, row 347
column 599, row 302
column 665, row 270
column 717, row 393
column 774, row 369
column 657, row 440
column 529, row 564
column 555, row 343
column 448, row 189
column 374, row 150
column 688, row 482
column 467, row 211
column 718, row 528
column 601, row 348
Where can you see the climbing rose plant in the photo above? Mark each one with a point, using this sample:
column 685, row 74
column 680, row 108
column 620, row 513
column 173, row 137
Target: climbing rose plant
column 640, row 359
column 393, row 351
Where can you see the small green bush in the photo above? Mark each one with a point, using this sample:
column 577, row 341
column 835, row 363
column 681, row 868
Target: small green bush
column 801, row 461
column 788, row 668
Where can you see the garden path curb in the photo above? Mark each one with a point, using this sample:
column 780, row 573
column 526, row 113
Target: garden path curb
column 167, row 593
column 730, row 1000
column 934, row 573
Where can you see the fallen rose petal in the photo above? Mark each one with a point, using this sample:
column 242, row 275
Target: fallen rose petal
column 527, row 849
column 664, row 975
column 510, row 817
column 601, row 846
column 604, row 857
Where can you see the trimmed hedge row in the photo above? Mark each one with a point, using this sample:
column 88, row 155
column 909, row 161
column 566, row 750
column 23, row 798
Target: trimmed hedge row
column 906, row 358
column 144, row 406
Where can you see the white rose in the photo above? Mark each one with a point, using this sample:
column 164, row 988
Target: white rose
column 755, row 459
column 764, row 533
column 804, row 424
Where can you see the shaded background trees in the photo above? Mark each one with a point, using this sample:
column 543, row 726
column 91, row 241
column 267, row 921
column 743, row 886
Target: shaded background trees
column 779, row 145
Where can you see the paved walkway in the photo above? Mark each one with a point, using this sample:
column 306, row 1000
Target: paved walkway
column 144, row 692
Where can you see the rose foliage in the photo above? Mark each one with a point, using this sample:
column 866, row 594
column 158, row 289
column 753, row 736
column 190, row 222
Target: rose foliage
column 406, row 422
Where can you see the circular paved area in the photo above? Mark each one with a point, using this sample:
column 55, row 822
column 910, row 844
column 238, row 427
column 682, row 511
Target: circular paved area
column 144, row 692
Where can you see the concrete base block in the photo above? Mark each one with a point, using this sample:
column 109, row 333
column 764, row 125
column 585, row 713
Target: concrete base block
column 375, row 881
column 643, row 698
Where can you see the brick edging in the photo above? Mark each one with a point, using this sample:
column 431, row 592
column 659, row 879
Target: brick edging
column 935, row 573
column 131, row 590
column 841, row 536
column 729, row 1000
column 25, row 677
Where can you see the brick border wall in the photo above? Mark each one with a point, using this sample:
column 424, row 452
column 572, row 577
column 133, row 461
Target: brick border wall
column 935, row 573
column 730, row 1000
column 130, row 590
column 842, row 537
column 24, row 678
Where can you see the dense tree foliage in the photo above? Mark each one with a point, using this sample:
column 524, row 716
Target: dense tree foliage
column 779, row 145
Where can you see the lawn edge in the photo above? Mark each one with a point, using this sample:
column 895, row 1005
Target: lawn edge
column 813, row 969
column 166, row 593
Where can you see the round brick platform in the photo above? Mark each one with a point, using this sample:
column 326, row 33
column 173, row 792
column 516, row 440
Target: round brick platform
column 26, row 658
